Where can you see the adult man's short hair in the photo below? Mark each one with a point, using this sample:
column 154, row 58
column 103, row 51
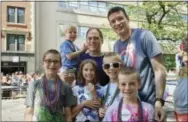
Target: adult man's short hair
column 117, row 9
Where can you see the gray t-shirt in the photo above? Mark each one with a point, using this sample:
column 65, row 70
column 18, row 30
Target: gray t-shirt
column 181, row 96
column 142, row 47
column 43, row 111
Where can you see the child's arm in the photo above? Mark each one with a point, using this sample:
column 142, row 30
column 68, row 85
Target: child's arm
column 72, row 55
column 77, row 53
column 28, row 114
column 76, row 109
column 68, row 115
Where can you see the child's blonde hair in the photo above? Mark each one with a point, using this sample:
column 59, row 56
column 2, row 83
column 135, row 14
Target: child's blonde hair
column 130, row 71
column 112, row 54
column 69, row 27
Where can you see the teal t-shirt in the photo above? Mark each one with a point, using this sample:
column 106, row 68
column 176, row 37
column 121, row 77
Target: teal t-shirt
column 45, row 110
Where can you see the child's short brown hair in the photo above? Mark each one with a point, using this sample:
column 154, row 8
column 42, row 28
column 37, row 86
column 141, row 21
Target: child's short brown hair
column 129, row 71
column 51, row 51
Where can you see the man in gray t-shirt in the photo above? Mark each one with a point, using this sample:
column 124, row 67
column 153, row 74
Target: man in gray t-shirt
column 139, row 49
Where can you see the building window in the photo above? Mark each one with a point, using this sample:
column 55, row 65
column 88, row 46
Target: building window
column 99, row 7
column 102, row 7
column 83, row 31
column 63, row 4
column 15, row 42
column 73, row 5
column 16, row 15
column 93, row 6
column 84, row 5
column 21, row 15
column 11, row 14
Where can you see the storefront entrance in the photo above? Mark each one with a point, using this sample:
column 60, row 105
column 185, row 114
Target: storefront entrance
column 11, row 67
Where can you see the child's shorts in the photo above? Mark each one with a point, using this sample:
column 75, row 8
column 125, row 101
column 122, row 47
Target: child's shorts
column 181, row 117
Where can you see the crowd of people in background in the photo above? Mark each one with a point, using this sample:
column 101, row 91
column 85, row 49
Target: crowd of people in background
column 18, row 78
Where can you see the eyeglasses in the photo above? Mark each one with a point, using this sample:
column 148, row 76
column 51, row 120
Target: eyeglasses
column 51, row 61
column 114, row 65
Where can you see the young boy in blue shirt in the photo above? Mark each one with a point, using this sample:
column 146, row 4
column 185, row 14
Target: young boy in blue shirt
column 70, row 52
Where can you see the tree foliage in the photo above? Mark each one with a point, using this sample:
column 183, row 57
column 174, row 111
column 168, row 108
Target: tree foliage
column 164, row 19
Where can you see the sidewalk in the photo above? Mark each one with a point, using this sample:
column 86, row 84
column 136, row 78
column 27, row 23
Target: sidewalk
column 169, row 109
column 13, row 110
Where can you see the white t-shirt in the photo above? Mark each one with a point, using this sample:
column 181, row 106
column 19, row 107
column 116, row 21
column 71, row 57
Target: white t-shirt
column 112, row 89
column 82, row 93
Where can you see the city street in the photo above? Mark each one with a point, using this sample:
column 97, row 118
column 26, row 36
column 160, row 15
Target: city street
column 13, row 110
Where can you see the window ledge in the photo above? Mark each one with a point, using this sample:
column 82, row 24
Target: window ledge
column 16, row 52
column 81, row 12
column 17, row 25
column 20, row 53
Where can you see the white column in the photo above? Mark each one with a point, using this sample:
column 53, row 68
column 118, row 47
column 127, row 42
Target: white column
column 33, row 27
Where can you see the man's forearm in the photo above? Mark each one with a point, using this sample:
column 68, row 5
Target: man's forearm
column 160, row 82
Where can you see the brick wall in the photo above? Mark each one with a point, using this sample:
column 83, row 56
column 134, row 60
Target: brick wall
column 15, row 28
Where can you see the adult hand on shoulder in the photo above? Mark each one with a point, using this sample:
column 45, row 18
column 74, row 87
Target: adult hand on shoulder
column 93, row 104
column 159, row 112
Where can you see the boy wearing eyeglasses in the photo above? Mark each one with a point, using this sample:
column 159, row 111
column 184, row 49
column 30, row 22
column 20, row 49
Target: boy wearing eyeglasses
column 111, row 65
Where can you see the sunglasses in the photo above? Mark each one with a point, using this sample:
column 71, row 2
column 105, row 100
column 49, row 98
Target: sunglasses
column 114, row 65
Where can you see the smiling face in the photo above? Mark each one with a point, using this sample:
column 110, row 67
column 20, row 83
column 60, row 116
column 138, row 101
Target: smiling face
column 111, row 66
column 71, row 33
column 128, row 85
column 94, row 40
column 88, row 72
column 51, row 64
column 119, row 22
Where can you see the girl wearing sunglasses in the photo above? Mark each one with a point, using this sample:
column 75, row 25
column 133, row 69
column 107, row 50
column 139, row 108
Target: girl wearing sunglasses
column 87, row 93
column 111, row 66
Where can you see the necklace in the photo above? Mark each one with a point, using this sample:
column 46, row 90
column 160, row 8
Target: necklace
column 50, row 101
column 140, row 111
